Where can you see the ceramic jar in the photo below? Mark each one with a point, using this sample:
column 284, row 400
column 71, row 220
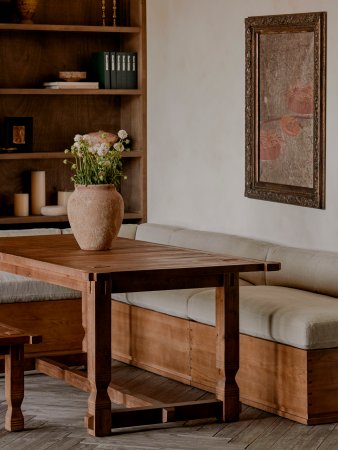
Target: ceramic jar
column 95, row 214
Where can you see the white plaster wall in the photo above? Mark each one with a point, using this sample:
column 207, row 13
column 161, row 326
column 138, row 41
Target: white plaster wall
column 196, row 119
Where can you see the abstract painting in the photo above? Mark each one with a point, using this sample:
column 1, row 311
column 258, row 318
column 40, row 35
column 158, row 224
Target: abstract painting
column 285, row 108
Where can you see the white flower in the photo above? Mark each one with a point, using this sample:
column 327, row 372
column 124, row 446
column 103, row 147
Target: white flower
column 94, row 149
column 122, row 134
column 103, row 149
column 119, row 147
column 87, row 139
column 77, row 138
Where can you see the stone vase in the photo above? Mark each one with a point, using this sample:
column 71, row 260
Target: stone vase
column 26, row 9
column 95, row 213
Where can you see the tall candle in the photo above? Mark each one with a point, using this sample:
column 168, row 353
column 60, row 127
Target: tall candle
column 63, row 197
column 38, row 191
column 21, row 205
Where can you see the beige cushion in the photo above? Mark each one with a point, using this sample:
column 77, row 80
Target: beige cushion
column 224, row 243
column 291, row 316
column 120, row 297
column 67, row 231
column 127, row 230
column 311, row 270
column 159, row 234
column 173, row 303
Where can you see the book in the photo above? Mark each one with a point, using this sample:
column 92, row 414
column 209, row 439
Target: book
column 124, row 70
column 71, row 85
column 100, row 69
column 113, row 83
column 131, row 70
column 119, row 81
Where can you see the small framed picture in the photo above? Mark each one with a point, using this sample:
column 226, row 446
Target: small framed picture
column 19, row 133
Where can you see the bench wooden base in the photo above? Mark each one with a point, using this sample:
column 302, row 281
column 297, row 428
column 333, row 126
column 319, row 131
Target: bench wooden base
column 12, row 342
column 297, row 384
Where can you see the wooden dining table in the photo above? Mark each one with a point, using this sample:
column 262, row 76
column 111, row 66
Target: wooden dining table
column 133, row 266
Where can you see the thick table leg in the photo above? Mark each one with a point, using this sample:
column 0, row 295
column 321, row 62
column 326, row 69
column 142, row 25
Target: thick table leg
column 98, row 298
column 84, row 321
column 14, row 387
column 227, row 346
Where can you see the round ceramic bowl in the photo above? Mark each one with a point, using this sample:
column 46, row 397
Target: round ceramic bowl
column 72, row 76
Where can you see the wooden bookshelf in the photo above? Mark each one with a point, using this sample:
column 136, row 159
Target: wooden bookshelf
column 63, row 37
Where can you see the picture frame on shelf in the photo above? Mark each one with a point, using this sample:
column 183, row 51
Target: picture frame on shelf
column 285, row 98
column 19, row 133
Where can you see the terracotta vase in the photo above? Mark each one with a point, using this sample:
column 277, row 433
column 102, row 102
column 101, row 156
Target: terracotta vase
column 95, row 214
column 26, row 9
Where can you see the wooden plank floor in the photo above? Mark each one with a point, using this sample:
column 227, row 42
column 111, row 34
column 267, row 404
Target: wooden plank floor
column 54, row 415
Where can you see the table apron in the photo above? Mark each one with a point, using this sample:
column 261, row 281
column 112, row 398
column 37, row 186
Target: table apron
column 157, row 282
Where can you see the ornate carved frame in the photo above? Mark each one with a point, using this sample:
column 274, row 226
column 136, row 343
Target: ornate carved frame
column 255, row 27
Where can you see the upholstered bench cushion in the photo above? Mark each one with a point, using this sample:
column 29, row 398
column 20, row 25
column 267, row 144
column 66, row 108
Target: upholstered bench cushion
column 173, row 303
column 311, row 270
column 159, row 234
column 290, row 316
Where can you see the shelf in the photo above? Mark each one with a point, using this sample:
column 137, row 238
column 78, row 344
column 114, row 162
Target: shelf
column 44, row 91
column 68, row 28
column 11, row 220
column 56, row 155
column 34, row 155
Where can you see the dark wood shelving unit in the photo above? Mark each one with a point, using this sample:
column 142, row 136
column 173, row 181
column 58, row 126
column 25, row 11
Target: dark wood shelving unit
column 63, row 37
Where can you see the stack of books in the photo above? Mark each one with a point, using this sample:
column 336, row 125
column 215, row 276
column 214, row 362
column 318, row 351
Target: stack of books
column 115, row 70
column 71, row 85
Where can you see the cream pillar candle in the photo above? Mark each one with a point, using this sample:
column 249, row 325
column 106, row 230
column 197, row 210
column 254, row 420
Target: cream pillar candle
column 38, row 191
column 21, row 205
column 63, row 197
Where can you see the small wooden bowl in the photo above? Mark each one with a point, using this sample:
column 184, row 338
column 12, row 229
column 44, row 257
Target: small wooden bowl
column 72, row 76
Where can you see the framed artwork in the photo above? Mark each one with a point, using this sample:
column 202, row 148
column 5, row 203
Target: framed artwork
column 285, row 108
column 19, row 133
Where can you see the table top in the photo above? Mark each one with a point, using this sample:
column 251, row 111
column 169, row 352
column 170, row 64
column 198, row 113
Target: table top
column 58, row 259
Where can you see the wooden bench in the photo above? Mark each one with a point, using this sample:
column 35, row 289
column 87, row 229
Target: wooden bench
column 12, row 342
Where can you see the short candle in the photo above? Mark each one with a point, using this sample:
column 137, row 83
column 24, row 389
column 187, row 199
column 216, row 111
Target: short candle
column 21, row 205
